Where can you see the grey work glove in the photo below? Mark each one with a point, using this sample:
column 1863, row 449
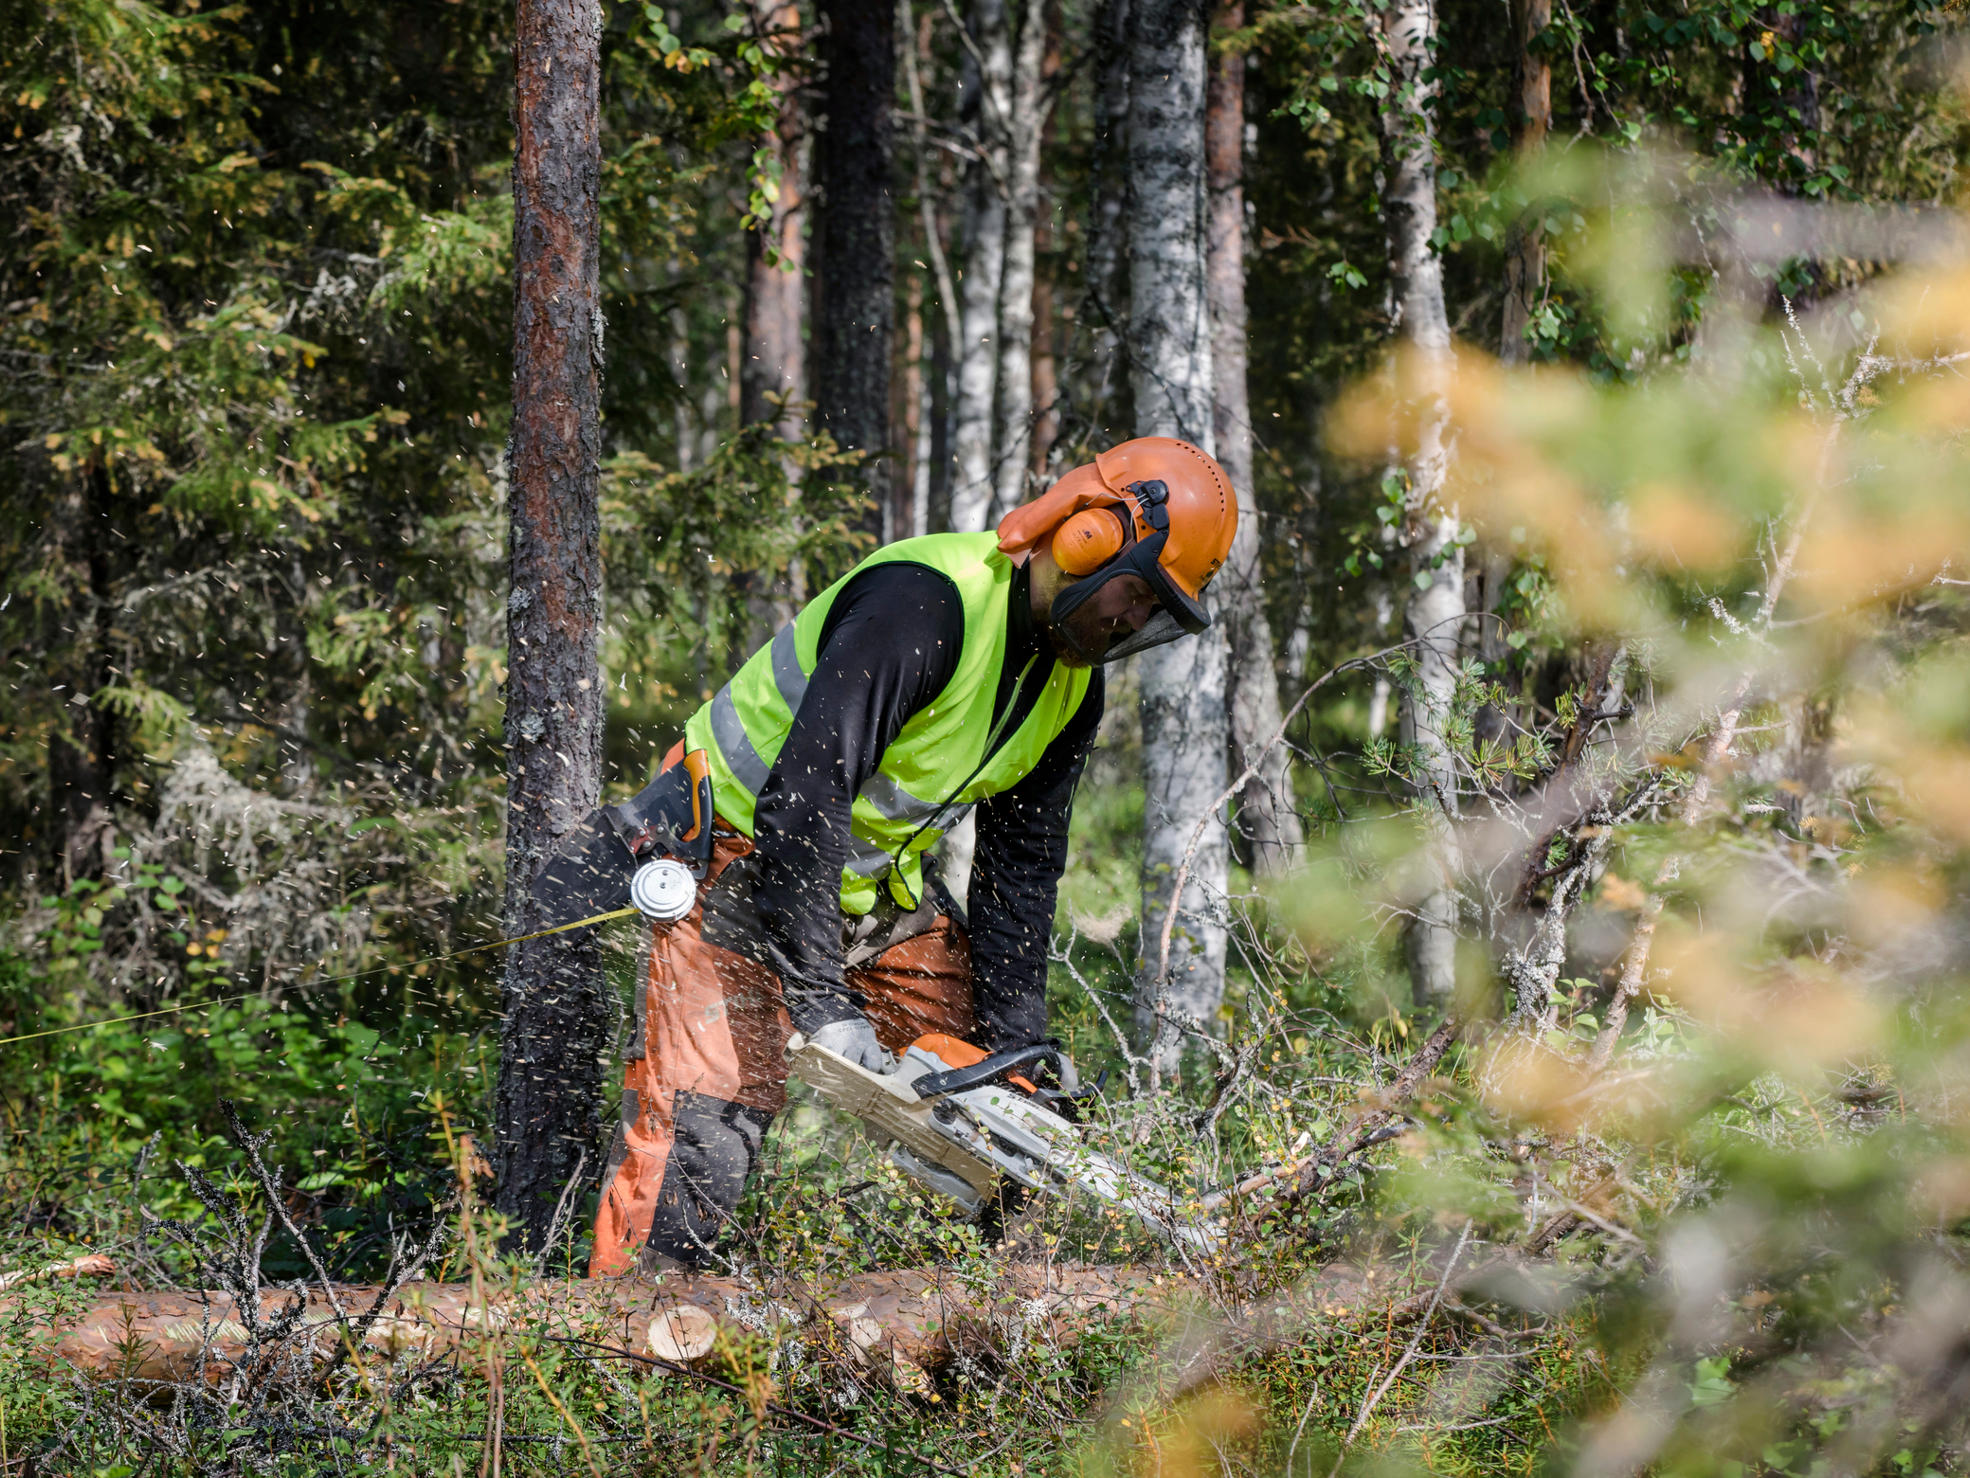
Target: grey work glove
column 854, row 1038
column 1069, row 1075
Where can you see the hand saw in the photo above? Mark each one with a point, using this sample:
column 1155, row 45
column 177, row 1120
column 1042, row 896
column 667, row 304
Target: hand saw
column 958, row 1123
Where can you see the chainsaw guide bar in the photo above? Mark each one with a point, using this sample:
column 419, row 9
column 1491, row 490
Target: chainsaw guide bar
column 960, row 1143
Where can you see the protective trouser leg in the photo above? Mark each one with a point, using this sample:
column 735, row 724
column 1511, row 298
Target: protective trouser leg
column 706, row 1074
column 922, row 984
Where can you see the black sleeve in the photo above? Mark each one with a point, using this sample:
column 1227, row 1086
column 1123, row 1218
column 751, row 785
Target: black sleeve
column 890, row 646
column 1022, row 850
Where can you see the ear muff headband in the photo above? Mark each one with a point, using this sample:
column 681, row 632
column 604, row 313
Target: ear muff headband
column 1087, row 541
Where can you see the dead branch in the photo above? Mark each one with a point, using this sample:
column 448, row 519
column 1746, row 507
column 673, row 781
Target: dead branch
column 1416, row 1342
column 1309, row 1174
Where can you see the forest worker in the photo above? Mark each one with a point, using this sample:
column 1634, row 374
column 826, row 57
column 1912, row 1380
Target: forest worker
column 940, row 673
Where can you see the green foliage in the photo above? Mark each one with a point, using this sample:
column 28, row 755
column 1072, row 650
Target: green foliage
column 252, row 384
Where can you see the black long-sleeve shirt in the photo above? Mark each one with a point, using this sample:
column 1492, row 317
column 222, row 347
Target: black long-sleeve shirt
column 890, row 645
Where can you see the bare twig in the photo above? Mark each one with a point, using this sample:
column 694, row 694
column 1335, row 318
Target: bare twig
column 250, row 1144
column 1365, row 1128
column 1415, row 1343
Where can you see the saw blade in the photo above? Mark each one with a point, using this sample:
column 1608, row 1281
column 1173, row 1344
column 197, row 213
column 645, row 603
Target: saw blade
column 890, row 1104
column 979, row 1134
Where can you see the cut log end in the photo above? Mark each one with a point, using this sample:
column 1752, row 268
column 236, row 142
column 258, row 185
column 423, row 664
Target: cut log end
column 681, row 1334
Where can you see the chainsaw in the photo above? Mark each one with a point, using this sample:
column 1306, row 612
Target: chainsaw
column 960, row 1121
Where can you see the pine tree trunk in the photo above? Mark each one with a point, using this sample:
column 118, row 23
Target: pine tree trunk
column 1184, row 730
column 1433, row 602
column 1267, row 817
column 855, row 302
column 983, row 110
column 775, row 359
column 1025, row 127
column 906, row 415
column 1101, row 406
column 556, row 1015
column 1046, row 376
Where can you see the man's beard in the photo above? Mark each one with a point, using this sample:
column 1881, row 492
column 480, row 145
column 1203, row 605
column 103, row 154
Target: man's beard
column 1068, row 651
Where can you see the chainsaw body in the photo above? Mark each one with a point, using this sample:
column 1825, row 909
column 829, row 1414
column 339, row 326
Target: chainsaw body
column 959, row 1136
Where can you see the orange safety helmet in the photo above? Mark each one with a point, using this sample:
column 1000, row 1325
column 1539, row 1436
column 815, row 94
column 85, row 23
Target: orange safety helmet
column 1154, row 507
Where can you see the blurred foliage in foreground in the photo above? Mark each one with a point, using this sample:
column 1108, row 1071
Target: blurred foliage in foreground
column 1690, row 1193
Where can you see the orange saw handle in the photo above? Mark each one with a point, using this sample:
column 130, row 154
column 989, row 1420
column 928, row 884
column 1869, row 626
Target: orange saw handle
column 697, row 765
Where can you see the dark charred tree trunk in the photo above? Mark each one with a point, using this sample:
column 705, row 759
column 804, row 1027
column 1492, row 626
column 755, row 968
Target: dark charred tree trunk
column 1102, row 407
column 1531, row 115
column 82, row 756
column 855, row 301
column 775, row 350
column 556, row 1016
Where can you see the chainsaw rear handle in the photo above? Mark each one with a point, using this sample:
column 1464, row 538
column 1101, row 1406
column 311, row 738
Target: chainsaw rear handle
column 998, row 1065
column 670, row 819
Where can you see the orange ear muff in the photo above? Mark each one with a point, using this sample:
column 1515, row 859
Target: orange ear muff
column 1087, row 541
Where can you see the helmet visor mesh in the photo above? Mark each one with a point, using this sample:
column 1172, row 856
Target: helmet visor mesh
column 1158, row 629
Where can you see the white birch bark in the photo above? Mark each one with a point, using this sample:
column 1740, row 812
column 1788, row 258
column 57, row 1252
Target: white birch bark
column 984, row 110
column 1433, row 606
column 1026, row 123
column 1267, row 816
column 1184, row 730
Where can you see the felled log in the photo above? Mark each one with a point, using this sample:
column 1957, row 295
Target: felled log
column 898, row 1326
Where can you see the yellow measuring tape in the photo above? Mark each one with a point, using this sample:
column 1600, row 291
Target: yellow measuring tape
column 472, row 949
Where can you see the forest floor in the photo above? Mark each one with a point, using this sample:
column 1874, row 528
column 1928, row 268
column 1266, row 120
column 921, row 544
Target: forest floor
column 1417, row 1293
column 860, row 1328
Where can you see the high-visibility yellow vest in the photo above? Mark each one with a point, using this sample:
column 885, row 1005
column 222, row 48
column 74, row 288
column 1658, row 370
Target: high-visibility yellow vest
column 938, row 766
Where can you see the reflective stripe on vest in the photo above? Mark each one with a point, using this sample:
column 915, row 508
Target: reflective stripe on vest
column 913, row 798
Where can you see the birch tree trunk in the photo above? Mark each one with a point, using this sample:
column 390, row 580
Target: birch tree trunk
column 983, row 109
column 854, row 306
column 1433, row 609
column 1025, row 127
column 1105, row 309
column 1184, row 732
column 1266, row 814
column 555, row 1011
column 775, row 359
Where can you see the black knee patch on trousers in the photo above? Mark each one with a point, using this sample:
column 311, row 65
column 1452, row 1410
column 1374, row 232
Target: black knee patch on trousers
column 716, row 1143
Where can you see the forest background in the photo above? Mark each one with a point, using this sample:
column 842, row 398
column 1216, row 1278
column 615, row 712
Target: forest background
column 1565, row 817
